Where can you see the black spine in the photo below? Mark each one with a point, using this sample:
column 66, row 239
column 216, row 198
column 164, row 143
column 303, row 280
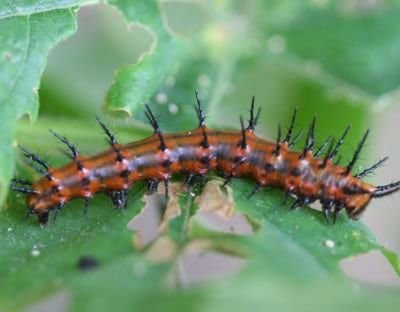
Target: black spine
column 253, row 117
column 23, row 190
column 22, row 186
column 310, row 141
column 74, row 151
column 328, row 154
column 322, row 147
column 291, row 127
column 199, row 111
column 372, row 168
column 85, row 205
column 111, row 139
column 296, row 138
column 36, row 159
column 334, row 152
column 357, row 153
column 156, row 127
column 110, row 136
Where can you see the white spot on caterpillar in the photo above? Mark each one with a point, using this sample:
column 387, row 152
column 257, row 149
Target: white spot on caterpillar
column 276, row 44
column 329, row 243
column 9, row 229
column 173, row 108
column 161, row 98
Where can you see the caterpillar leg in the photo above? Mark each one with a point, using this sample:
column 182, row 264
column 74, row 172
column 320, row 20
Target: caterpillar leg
column 119, row 199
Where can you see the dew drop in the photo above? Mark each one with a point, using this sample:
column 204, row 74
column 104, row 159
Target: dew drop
column 161, row 98
column 329, row 243
column 173, row 108
column 35, row 251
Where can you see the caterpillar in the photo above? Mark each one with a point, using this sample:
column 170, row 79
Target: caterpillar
column 305, row 175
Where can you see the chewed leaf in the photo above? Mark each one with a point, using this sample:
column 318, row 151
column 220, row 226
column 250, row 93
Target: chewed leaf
column 215, row 199
column 156, row 213
column 23, row 49
column 207, row 242
column 393, row 259
column 306, row 227
column 134, row 84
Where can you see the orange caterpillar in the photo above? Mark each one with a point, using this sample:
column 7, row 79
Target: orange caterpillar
column 305, row 175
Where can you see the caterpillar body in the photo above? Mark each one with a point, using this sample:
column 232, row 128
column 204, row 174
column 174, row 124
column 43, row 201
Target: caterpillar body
column 305, row 174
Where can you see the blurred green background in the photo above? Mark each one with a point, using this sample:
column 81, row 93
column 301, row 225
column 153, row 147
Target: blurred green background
column 337, row 60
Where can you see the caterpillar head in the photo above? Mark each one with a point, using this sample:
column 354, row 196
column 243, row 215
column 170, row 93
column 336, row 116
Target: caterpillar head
column 40, row 205
column 356, row 204
column 43, row 199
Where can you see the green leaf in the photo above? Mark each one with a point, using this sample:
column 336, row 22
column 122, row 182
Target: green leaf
column 36, row 28
column 29, row 7
column 174, row 100
column 292, row 259
column 282, row 274
column 132, row 283
column 306, row 228
column 23, row 51
column 134, row 84
column 30, row 255
column 393, row 258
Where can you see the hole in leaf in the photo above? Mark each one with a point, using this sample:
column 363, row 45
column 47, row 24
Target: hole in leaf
column 60, row 299
column 371, row 268
column 80, row 69
column 196, row 266
column 179, row 232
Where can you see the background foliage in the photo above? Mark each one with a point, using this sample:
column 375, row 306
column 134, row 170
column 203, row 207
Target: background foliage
column 334, row 59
